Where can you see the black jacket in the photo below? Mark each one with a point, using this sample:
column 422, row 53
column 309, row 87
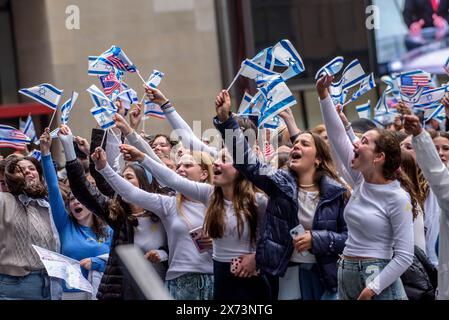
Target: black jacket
column 420, row 279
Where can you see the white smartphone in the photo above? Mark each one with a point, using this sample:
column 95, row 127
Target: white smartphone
column 299, row 231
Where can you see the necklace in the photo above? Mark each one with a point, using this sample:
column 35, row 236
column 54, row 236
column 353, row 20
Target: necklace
column 307, row 185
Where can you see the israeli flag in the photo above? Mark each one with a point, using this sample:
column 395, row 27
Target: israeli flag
column 286, row 54
column 392, row 84
column 53, row 135
column 44, row 93
column 364, row 110
column 27, row 127
column 100, row 99
column 352, row 75
column 265, row 58
column 245, row 103
column 67, row 107
column 98, row 69
column 104, row 117
column 331, row 68
column 258, row 73
column 340, row 98
column 155, row 79
column 127, row 98
column 431, row 97
column 274, row 123
column 278, row 97
column 153, row 110
column 36, row 154
column 439, row 114
column 366, row 85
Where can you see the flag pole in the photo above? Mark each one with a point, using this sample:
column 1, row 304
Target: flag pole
column 52, row 117
column 102, row 140
column 140, row 76
column 117, row 139
column 233, row 81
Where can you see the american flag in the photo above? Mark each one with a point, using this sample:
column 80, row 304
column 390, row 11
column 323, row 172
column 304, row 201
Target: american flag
column 12, row 138
column 410, row 83
column 110, row 83
column 269, row 150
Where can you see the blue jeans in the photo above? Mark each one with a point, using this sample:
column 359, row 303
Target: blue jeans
column 302, row 282
column 353, row 276
column 192, row 286
column 34, row 286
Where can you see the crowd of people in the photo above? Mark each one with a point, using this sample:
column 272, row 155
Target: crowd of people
column 343, row 211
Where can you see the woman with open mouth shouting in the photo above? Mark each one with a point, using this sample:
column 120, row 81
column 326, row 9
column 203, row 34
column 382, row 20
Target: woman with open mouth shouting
column 309, row 195
column 84, row 236
column 379, row 213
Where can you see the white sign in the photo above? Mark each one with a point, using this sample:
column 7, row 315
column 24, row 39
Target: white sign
column 65, row 268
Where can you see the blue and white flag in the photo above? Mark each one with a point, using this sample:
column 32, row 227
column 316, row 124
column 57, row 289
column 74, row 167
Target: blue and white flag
column 155, row 79
column 44, row 93
column 153, row 110
column 340, row 98
column 278, row 97
column 67, row 107
column 274, row 123
column 104, row 117
column 265, row 58
column 364, row 110
column 365, row 86
column 286, row 54
column 127, row 98
column 446, row 66
column 36, row 154
column 245, row 103
column 53, row 135
column 331, row 68
column 27, row 127
column 99, row 69
column 439, row 114
column 100, row 99
column 256, row 72
column 392, row 84
column 384, row 118
column 117, row 58
column 430, row 97
column 352, row 75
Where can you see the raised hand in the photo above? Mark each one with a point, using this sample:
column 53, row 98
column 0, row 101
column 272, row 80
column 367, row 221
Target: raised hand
column 155, row 95
column 342, row 116
column 86, row 263
column 135, row 116
column 99, row 158
column 153, row 256
column 412, row 125
column 416, row 27
column 223, row 105
column 121, row 123
column 322, row 86
column 45, row 142
column 83, row 145
column 131, row 153
column 403, row 108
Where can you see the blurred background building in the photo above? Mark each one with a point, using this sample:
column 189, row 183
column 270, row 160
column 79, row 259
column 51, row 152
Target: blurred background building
column 198, row 44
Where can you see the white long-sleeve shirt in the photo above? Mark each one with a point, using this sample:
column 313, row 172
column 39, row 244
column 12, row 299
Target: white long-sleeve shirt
column 183, row 256
column 437, row 175
column 432, row 225
column 379, row 217
column 230, row 245
column 185, row 132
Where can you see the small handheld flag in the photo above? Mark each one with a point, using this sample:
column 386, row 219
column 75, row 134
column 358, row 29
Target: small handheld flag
column 331, row 68
column 44, row 93
column 364, row 110
column 10, row 137
column 104, row 117
column 100, row 99
column 27, row 127
column 155, row 79
column 127, row 98
column 286, row 54
column 110, row 83
column 67, row 107
column 117, row 58
column 99, row 69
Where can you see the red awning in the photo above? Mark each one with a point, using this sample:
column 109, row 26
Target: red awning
column 23, row 109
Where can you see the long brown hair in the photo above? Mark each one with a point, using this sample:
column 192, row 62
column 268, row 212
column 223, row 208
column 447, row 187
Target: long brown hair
column 244, row 204
column 17, row 184
column 388, row 143
column 410, row 168
column 119, row 209
column 326, row 165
